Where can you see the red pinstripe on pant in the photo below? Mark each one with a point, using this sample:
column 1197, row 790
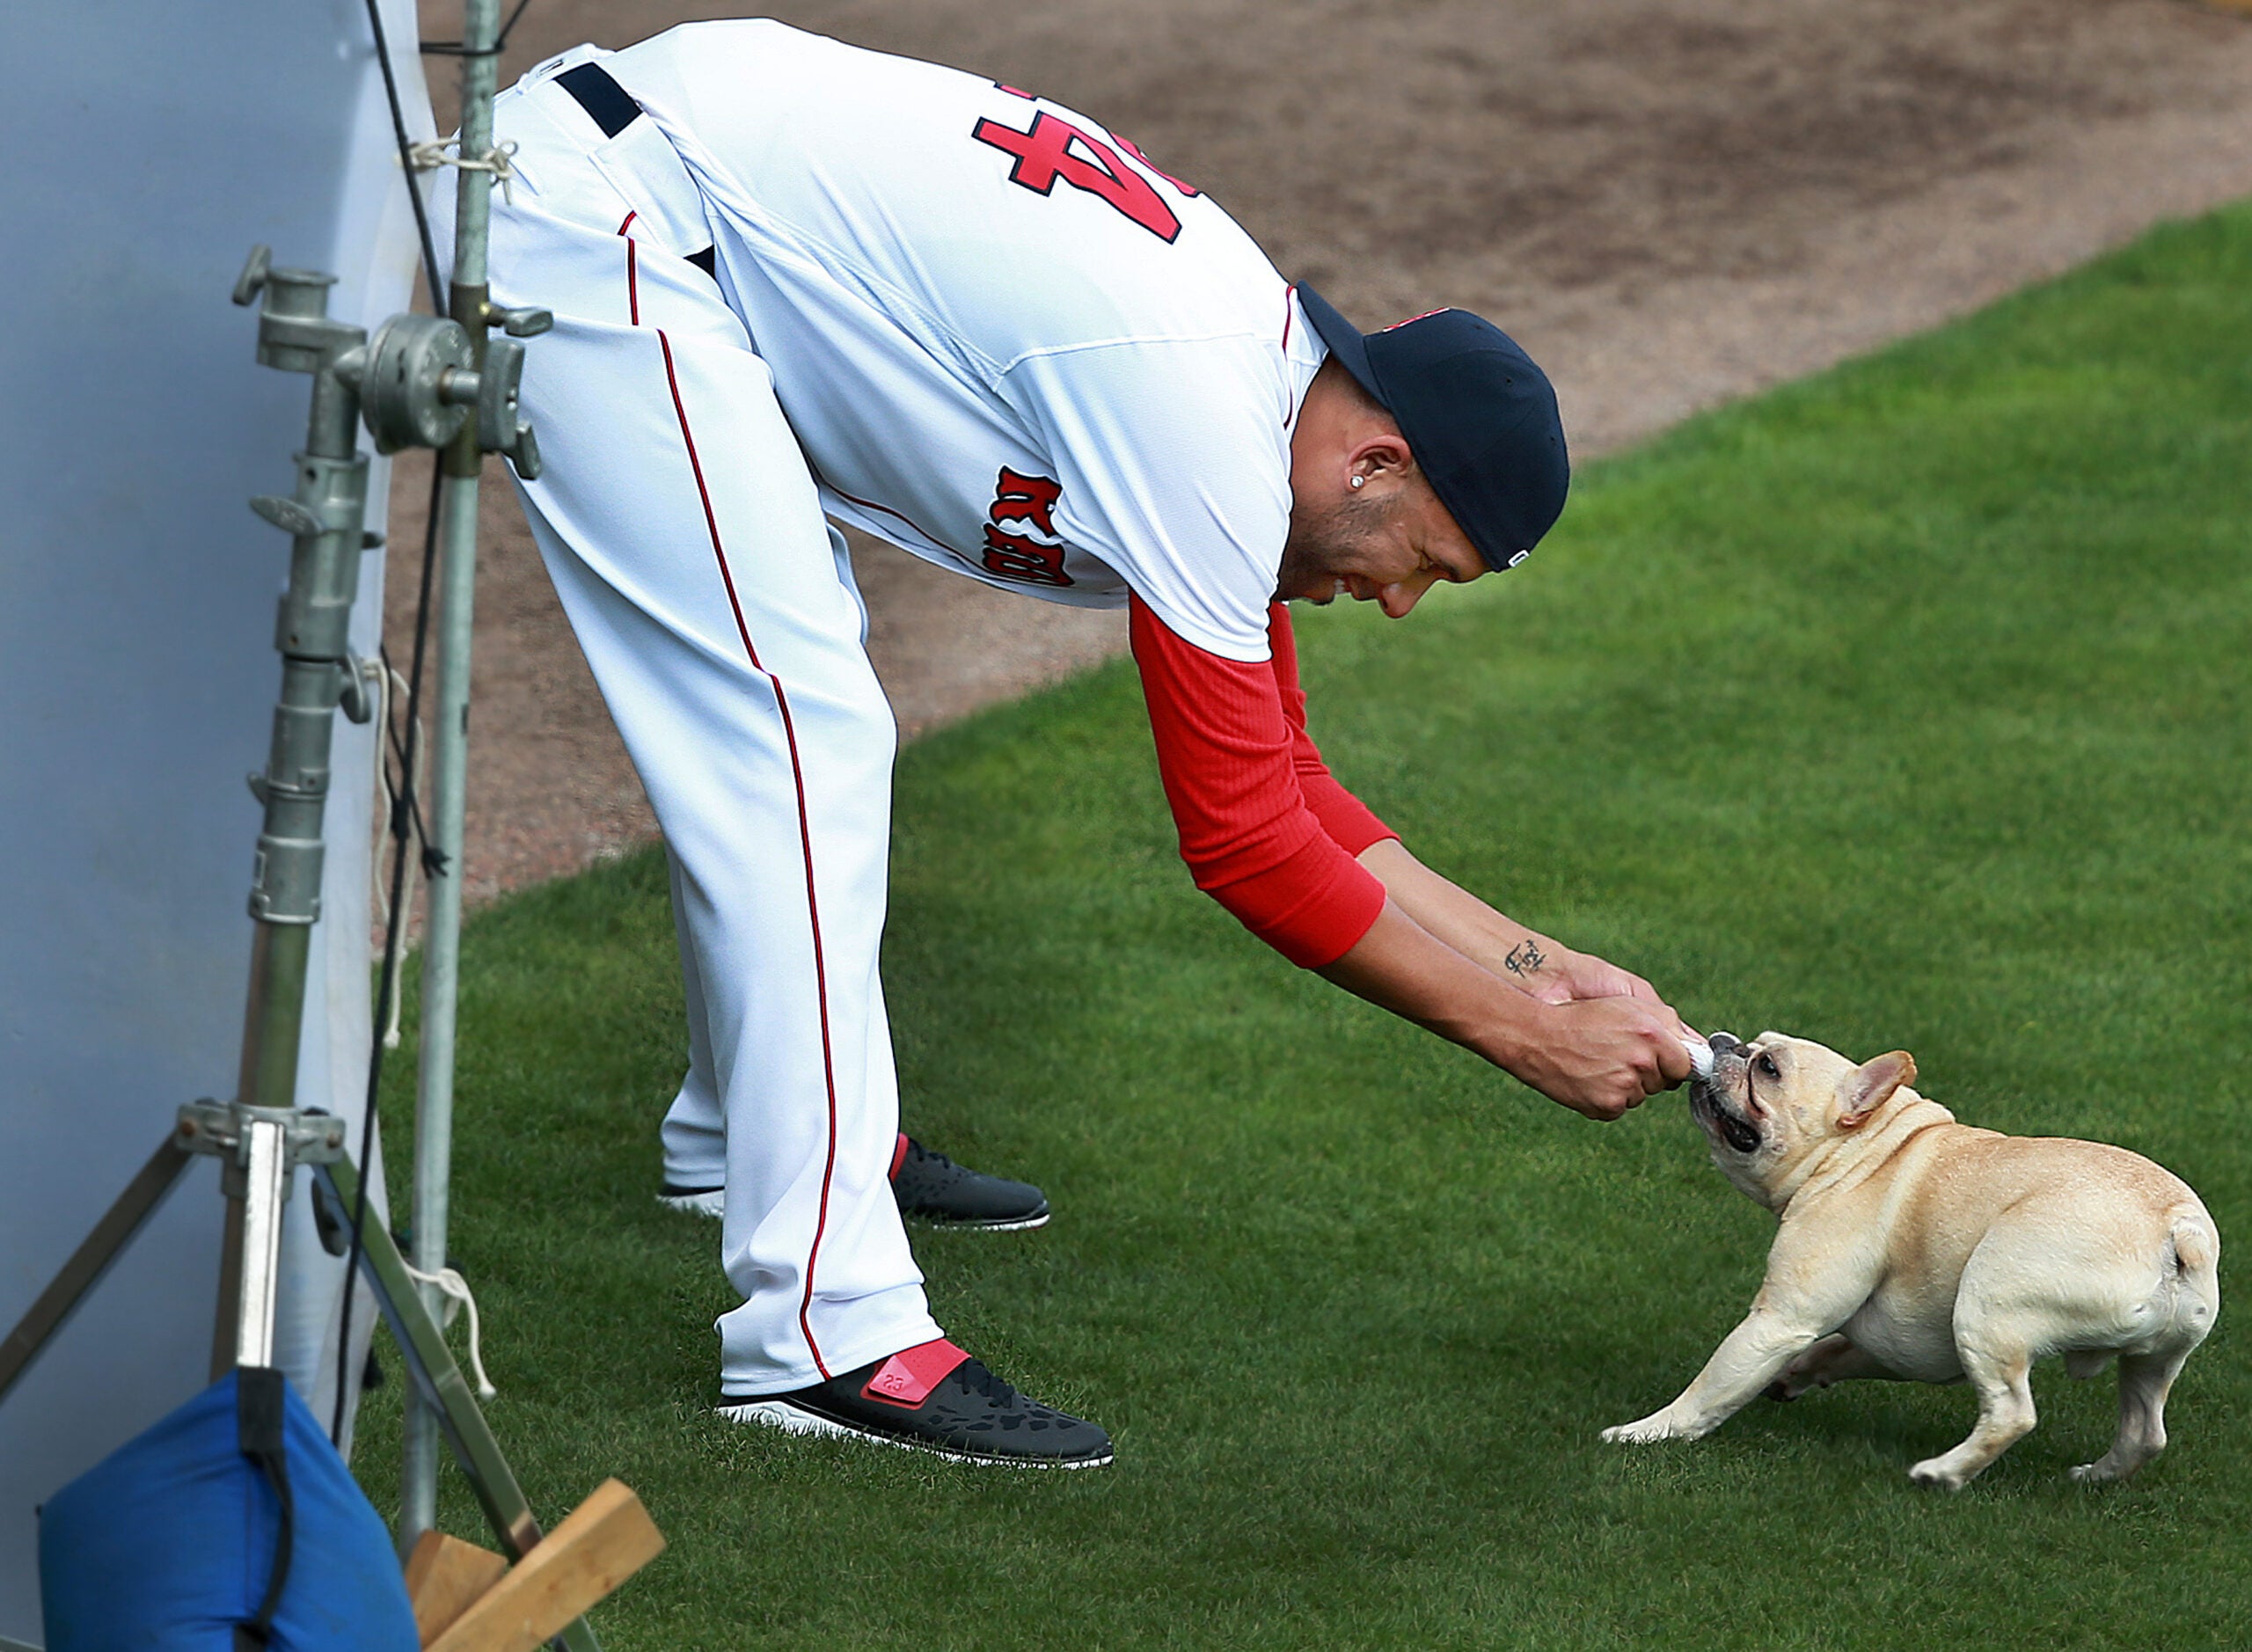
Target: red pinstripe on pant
column 797, row 779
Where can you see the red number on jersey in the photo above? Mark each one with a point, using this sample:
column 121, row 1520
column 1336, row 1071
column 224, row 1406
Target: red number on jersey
column 1020, row 498
column 1044, row 155
column 1026, row 559
column 1132, row 149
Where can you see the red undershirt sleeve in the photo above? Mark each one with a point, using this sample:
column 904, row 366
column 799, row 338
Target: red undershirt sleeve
column 1229, row 756
column 1351, row 824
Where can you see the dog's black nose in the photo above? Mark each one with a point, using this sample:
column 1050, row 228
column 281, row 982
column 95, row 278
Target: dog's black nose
column 1724, row 1043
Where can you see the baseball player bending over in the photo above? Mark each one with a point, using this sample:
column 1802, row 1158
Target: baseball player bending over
column 795, row 282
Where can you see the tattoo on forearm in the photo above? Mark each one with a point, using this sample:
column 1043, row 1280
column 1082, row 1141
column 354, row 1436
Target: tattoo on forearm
column 1524, row 957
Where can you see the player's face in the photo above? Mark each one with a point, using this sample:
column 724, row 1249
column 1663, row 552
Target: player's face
column 1387, row 550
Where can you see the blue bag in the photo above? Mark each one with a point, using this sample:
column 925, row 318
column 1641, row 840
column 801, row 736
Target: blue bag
column 175, row 1539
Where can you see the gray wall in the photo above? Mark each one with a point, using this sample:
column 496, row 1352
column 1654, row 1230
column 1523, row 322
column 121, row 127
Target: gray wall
column 150, row 145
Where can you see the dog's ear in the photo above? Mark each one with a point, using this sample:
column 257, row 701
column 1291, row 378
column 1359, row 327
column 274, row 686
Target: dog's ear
column 1870, row 1085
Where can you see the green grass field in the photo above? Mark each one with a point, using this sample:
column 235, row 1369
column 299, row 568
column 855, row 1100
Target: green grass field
column 1907, row 706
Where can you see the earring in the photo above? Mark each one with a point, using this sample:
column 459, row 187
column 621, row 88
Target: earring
column 1358, row 480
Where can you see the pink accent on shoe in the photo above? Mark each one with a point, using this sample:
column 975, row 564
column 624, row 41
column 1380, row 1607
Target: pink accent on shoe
column 907, row 1377
column 898, row 1157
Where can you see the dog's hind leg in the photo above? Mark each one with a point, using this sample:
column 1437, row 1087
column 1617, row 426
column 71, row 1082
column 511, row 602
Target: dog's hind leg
column 2008, row 1312
column 1836, row 1358
column 2183, row 1310
column 2001, row 1377
column 2144, row 1380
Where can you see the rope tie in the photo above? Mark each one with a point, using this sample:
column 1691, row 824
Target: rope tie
column 456, row 1289
column 425, row 157
column 390, row 682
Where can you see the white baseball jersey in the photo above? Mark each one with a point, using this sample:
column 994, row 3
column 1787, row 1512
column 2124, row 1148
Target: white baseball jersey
column 1006, row 342
column 801, row 278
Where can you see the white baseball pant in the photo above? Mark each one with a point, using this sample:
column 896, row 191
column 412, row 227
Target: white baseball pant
column 682, row 529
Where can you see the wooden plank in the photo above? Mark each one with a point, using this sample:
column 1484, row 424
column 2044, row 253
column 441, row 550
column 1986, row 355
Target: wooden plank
column 599, row 1545
column 444, row 1577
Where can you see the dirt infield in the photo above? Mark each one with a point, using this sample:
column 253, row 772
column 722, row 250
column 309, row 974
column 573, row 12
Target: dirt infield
column 1669, row 204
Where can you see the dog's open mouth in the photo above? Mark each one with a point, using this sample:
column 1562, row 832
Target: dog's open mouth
column 1739, row 1133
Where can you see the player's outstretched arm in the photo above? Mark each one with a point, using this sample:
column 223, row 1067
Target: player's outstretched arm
column 1598, row 1056
column 1548, row 969
column 1223, row 743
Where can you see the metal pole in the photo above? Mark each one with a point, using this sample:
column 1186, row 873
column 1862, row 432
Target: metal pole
column 266, row 1173
column 419, row 386
column 324, row 519
column 91, row 1261
column 450, row 725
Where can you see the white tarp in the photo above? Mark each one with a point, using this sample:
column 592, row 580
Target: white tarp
column 150, row 146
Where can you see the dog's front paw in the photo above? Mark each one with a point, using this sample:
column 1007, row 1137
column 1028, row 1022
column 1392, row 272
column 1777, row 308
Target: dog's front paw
column 1648, row 1431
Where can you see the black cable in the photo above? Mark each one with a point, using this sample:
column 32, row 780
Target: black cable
column 405, row 815
column 406, row 160
column 387, row 982
column 261, row 1435
column 408, row 804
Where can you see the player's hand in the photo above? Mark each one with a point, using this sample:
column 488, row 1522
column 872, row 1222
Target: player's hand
column 1577, row 975
column 1584, row 976
column 1552, row 973
column 1601, row 1057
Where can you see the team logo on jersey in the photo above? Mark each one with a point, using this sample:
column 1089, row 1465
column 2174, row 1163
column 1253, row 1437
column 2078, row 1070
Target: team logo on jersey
column 1022, row 501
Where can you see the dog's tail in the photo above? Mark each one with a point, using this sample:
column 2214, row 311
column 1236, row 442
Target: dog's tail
column 2196, row 1245
column 2193, row 1282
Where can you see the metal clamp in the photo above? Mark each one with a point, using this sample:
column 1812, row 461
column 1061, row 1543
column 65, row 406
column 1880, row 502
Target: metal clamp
column 525, row 322
column 407, row 387
column 287, row 515
column 417, row 384
column 260, row 1147
column 501, row 428
column 221, row 1130
column 295, row 332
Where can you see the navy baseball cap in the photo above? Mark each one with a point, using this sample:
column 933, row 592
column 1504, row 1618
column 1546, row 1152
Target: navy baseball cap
column 1480, row 417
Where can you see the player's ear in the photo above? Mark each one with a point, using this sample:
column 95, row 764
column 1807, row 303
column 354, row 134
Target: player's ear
column 1871, row 1085
column 1382, row 457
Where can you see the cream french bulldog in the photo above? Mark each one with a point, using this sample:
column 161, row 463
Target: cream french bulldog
column 1918, row 1249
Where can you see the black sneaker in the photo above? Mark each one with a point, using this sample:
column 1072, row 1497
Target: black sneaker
column 932, row 1397
column 932, row 1186
column 926, row 1184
